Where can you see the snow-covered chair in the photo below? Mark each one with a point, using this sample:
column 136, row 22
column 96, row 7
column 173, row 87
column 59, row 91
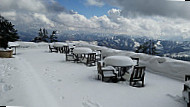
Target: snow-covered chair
column 186, row 90
column 90, row 60
column 53, row 49
column 137, row 75
column 69, row 56
column 106, row 72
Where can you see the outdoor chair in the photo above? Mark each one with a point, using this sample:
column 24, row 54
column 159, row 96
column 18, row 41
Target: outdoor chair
column 53, row 49
column 90, row 60
column 69, row 56
column 136, row 60
column 137, row 75
column 107, row 72
column 66, row 49
column 186, row 90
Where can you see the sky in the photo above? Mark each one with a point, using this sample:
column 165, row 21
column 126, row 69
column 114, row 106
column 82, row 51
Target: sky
column 159, row 19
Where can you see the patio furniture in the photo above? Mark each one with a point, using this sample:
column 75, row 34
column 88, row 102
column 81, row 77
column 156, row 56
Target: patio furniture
column 136, row 60
column 108, row 72
column 121, row 63
column 80, row 53
column 65, row 49
column 69, row 55
column 186, row 90
column 137, row 75
column 90, row 60
column 98, row 55
column 59, row 46
column 13, row 45
column 53, row 49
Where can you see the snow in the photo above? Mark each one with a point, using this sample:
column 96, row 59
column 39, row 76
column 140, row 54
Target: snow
column 37, row 78
column 171, row 68
column 119, row 61
column 59, row 44
column 79, row 50
column 13, row 44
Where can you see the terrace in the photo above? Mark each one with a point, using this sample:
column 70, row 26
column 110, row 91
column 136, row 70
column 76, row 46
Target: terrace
column 36, row 77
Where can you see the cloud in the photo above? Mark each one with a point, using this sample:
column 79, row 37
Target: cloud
column 153, row 7
column 22, row 5
column 51, row 15
column 98, row 3
column 43, row 18
column 9, row 14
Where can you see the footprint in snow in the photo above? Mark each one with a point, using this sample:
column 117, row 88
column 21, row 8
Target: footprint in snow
column 59, row 80
column 89, row 103
column 10, row 100
column 6, row 87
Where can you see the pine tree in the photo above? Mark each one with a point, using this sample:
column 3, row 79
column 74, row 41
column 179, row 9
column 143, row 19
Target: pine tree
column 52, row 37
column 148, row 48
column 7, row 32
column 42, row 36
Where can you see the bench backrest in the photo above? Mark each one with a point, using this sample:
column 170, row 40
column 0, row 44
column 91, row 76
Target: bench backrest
column 138, row 72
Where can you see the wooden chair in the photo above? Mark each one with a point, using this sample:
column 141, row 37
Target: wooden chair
column 135, row 59
column 90, row 60
column 186, row 90
column 53, row 49
column 66, row 49
column 106, row 72
column 69, row 56
column 137, row 75
column 187, row 77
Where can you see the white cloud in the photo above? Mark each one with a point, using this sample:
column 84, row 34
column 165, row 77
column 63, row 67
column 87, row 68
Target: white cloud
column 76, row 20
column 34, row 15
column 9, row 14
column 43, row 18
column 99, row 3
column 23, row 5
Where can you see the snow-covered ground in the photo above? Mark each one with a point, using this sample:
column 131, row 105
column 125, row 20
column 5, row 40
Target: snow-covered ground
column 37, row 78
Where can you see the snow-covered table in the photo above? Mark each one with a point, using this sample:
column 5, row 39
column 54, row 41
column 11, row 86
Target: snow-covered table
column 121, row 63
column 80, row 53
column 13, row 45
column 59, row 46
column 118, row 61
column 82, row 50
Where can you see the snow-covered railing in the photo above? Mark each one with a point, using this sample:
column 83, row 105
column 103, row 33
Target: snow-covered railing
column 172, row 68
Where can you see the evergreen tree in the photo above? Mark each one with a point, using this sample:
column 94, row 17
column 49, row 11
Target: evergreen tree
column 148, row 48
column 7, row 32
column 52, row 37
column 42, row 36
